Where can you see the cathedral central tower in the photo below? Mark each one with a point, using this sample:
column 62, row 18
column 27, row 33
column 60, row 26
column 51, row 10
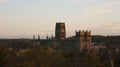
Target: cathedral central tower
column 60, row 31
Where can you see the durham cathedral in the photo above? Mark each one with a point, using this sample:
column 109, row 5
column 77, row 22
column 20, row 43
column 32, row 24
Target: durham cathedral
column 80, row 41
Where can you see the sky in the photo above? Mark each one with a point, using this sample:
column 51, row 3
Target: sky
column 23, row 18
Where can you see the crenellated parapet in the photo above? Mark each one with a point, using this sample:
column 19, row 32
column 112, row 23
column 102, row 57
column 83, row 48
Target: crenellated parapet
column 83, row 39
column 83, row 33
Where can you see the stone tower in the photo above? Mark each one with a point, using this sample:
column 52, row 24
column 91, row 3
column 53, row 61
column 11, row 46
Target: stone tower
column 60, row 31
column 83, row 39
column 38, row 37
column 33, row 36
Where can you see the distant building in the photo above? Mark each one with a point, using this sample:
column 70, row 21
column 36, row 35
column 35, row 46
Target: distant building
column 33, row 36
column 38, row 37
column 60, row 32
column 80, row 41
column 83, row 39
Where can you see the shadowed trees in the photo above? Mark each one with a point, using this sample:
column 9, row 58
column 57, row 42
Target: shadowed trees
column 48, row 57
column 4, row 57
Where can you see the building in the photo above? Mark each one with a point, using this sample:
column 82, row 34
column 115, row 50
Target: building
column 83, row 39
column 80, row 41
column 60, row 32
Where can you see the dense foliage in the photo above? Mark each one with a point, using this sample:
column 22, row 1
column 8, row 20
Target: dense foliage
column 47, row 57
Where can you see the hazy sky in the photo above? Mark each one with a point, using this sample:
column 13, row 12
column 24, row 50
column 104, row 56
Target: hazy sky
column 22, row 18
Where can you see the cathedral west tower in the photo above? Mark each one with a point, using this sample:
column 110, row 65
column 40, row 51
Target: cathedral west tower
column 60, row 31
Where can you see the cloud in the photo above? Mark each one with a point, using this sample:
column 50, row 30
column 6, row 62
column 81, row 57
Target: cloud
column 78, row 0
column 4, row 1
column 112, row 28
column 102, row 9
column 115, row 26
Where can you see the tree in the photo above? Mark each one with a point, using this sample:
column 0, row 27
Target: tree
column 4, row 57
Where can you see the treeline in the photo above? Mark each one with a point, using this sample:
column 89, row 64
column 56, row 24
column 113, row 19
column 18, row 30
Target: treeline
column 114, row 40
column 47, row 57
column 16, row 43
